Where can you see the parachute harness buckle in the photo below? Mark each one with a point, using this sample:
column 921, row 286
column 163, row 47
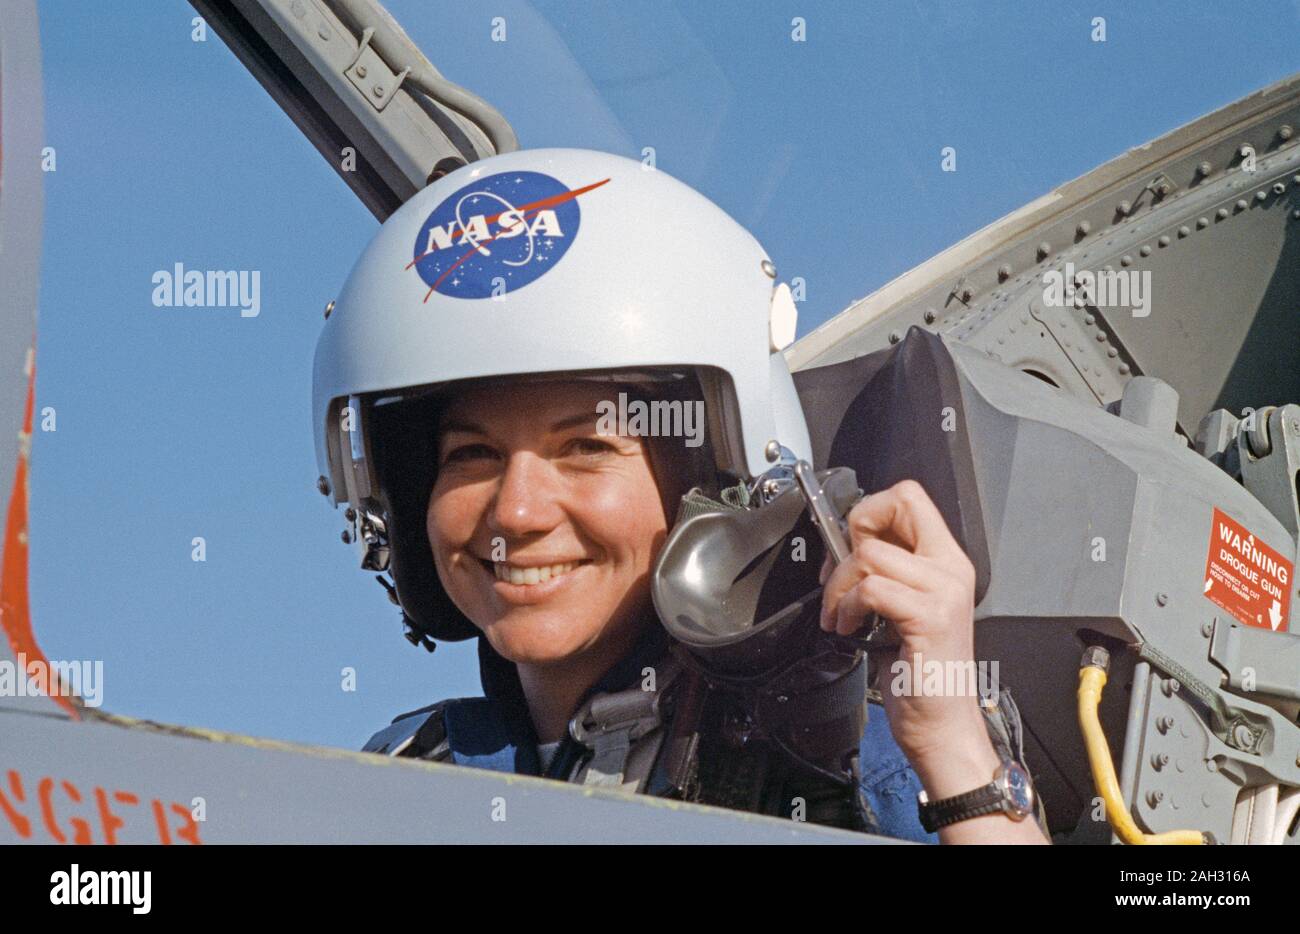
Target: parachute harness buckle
column 609, row 724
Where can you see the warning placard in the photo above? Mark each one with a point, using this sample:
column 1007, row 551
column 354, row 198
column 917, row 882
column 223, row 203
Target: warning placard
column 1246, row 577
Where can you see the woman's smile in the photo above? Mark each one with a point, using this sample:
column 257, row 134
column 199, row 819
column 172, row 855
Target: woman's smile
column 526, row 583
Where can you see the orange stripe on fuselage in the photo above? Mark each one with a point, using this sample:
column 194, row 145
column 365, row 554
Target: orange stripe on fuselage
column 15, row 606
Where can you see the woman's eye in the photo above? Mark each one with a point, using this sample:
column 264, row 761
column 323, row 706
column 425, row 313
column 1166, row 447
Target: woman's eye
column 588, row 447
column 469, row 452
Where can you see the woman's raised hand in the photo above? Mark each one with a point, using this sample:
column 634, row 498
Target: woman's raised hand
column 906, row 566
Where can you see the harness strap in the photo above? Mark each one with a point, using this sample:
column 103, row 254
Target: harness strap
column 624, row 730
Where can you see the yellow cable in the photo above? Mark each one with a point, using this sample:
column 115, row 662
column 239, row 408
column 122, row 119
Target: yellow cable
column 1091, row 681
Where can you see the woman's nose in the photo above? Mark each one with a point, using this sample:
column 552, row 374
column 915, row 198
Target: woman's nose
column 526, row 500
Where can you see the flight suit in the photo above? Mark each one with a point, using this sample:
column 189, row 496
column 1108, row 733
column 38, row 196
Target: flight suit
column 708, row 763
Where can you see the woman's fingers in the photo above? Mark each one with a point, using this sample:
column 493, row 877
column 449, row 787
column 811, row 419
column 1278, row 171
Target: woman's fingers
column 877, row 556
column 904, row 511
column 878, row 594
column 873, row 557
column 898, row 538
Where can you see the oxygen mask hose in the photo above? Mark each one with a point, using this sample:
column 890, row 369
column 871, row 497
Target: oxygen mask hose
column 1092, row 678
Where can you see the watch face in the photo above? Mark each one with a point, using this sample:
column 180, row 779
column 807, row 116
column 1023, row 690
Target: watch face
column 1018, row 792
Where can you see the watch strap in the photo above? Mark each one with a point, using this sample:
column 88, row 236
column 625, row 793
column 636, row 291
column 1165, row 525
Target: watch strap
column 985, row 800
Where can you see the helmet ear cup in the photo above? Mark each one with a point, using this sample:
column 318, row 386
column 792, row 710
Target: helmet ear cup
column 405, row 459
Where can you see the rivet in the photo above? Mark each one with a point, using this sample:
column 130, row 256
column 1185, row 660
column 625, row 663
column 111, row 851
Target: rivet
column 378, row 90
column 929, row 317
column 1261, row 195
column 347, row 537
column 329, row 308
column 772, row 451
column 1205, row 799
column 1044, row 249
column 1162, row 599
column 1204, row 169
column 1146, row 249
column 768, row 268
column 1112, row 352
column 323, row 486
column 1241, row 204
column 1221, row 213
column 1164, row 238
column 361, row 71
column 1207, row 629
column 1089, row 319
column 1284, row 131
column 350, row 514
column 323, row 31
column 1184, row 230
column 1202, row 223
column 1083, row 229
column 1295, row 215
column 1123, row 369
column 1126, row 260
column 1162, row 188
column 1124, row 207
column 1004, row 272
column 894, row 337
column 1180, row 765
column 1101, row 337
column 1211, row 765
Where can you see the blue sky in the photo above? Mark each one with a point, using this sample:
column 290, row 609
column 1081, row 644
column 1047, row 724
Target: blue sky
column 174, row 423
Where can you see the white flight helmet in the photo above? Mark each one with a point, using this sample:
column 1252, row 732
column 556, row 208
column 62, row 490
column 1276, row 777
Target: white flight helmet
column 545, row 261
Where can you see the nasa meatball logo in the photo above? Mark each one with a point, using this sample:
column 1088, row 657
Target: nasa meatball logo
column 497, row 234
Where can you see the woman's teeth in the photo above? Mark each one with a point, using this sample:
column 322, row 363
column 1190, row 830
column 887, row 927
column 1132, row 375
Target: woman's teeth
column 533, row 575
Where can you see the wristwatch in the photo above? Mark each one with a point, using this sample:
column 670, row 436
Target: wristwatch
column 1011, row 792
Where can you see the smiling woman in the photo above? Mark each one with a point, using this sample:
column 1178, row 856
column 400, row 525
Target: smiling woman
column 544, row 532
column 469, row 431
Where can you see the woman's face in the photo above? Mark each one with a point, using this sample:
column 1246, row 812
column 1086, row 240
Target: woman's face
column 543, row 531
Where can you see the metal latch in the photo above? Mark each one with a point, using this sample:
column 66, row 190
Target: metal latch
column 372, row 76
